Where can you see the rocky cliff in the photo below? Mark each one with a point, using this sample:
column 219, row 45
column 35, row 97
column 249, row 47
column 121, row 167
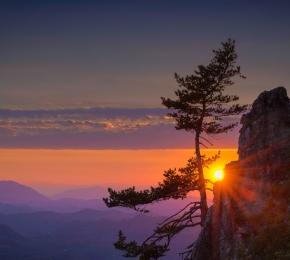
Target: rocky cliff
column 250, row 218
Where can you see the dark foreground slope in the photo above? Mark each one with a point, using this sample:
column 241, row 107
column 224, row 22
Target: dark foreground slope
column 250, row 218
column 83, row 235
column 88, row 234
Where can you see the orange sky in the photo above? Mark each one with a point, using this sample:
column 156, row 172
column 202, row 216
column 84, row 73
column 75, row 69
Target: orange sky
column 64, row 168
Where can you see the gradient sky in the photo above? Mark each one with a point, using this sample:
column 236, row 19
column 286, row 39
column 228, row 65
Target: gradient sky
column 89, row 75
column 61, row 54
column 53, row 170
column 124, row 53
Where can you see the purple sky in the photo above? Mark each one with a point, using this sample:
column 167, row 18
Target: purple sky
column 66, row 56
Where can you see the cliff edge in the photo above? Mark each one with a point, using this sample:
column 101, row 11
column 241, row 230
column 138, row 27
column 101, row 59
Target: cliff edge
column 250, row 217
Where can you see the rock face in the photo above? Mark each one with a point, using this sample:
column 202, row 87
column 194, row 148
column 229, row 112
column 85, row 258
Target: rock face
column 250, row 217
column 267, row 124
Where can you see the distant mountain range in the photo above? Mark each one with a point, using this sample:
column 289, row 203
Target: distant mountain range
column 16, row 197
column 87, row 235
column 69, row 227
column 13, row 192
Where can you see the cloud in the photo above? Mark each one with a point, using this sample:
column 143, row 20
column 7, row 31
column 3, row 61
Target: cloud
column 97, row 128
column 42, row 122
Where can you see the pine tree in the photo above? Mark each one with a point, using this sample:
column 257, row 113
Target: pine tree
column 200, row 107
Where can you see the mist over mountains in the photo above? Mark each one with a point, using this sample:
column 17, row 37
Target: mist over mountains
column 18, row 195
column 82, row 193
column 72, row 225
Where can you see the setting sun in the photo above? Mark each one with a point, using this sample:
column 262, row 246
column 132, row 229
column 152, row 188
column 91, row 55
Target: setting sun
column 218, row 175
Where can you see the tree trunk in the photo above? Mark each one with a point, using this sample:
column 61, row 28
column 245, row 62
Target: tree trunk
column 202, row 188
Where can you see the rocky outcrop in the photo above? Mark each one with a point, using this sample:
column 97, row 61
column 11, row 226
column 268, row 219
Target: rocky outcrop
column 250, row 217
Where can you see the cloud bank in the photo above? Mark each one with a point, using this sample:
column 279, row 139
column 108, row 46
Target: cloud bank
column 43, row 122
column 99, row 128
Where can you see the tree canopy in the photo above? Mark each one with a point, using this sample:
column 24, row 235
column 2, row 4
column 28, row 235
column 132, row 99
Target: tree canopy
column 200, row 106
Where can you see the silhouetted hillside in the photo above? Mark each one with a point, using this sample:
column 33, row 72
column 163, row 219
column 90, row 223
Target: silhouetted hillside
column 15, row 193
column 12, row 245
column 15, row 197
column 12, row 209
